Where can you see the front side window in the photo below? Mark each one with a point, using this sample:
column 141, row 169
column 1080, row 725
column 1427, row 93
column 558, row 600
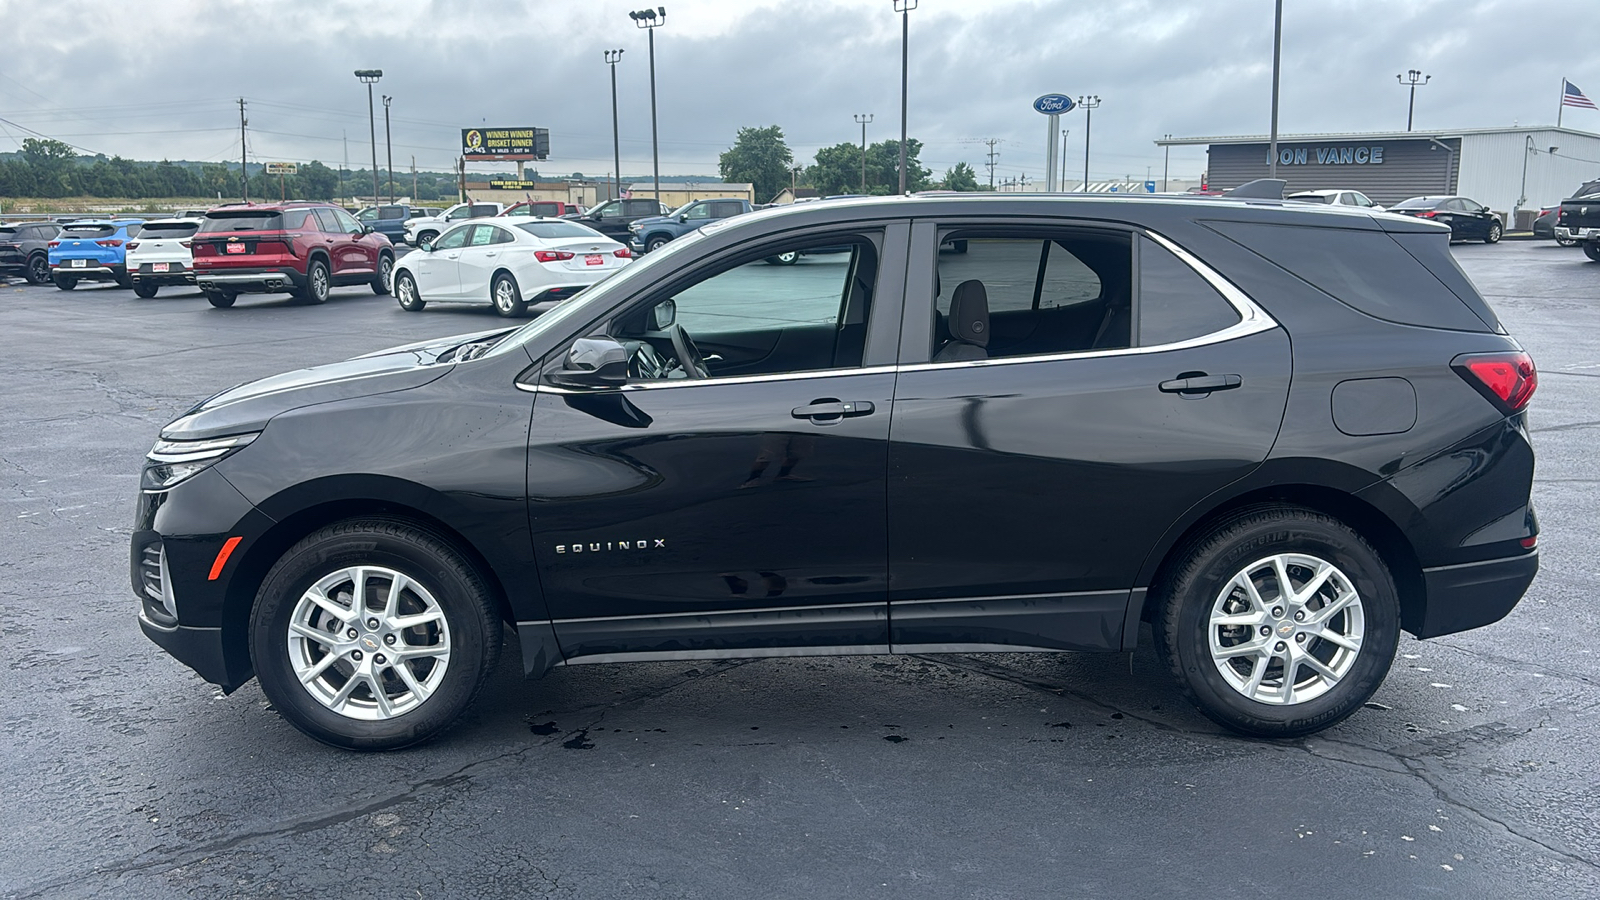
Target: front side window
column 347, row 222
column 455, row 238
column 698, row 211
column 326, row 221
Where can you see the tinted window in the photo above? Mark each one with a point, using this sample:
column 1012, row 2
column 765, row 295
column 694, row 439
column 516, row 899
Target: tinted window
column 1047, row 294
column 325, row 221
column 1416, row 203
column 1433, row 251
column 454, row 239
column 481, row 210
column 11, row 234
column 1366, row 270
column 242, row 220
column 169, row 230
column 549, row 230
column 1311, row 198
column 346, row 222
column 640, row 208
column 1175, row 303
column 89, row 231
column 726, row 208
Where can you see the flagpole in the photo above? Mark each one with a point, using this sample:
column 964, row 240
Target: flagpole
column 1561, row 107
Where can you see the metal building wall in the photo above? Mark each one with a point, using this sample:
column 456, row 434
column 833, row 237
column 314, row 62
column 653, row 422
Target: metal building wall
column 1492, row 165
column 1411, row 167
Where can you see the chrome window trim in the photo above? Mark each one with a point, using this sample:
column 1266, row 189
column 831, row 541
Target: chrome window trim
column 707, row 382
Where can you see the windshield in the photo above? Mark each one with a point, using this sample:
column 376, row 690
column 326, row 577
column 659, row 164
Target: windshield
column 1312, row 198
column 242, row 220
column 683, row 209
column 1416, row 203
column 559, row 229
column 598, row 296
column 169, row 230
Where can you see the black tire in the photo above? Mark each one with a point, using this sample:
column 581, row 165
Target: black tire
column 38, row 270
column 472, row 630
column 145, row 289
column 406, row 293
column 784, row 259
column 1207, row 567
column 1591, row 249
column 68, row 282
column 1493, row 235
column 319, row 283
column 506, row 296
column 427, row 237
column 124, row 280
column 1566, row 242
column 380, row 281
column 222, row 299
column 656, row 243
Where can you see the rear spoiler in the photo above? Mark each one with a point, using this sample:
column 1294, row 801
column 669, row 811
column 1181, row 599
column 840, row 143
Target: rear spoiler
column 1260, row 189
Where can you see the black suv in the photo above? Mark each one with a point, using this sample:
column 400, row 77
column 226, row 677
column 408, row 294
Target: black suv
column 1279, row 434
column 613, row 217
column 25, row 250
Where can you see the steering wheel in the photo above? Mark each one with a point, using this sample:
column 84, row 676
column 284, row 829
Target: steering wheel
column 694, row 365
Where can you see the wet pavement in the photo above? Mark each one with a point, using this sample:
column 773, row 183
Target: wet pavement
column 1471, row 774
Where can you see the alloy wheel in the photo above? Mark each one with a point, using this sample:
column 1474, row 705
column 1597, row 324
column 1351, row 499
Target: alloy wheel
column 504, row 295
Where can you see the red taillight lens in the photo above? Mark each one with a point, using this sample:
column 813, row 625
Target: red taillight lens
column 109, row 242
column 53, row 244
column 1426, row 214
column 184, row 243
column 133, row 245
column 1507, row 379
column 624, row 253
column 551, row 255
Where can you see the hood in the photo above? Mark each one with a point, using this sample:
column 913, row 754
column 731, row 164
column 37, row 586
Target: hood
column 249, row 406
column 656, row 220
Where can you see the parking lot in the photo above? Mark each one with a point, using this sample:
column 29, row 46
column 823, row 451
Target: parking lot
column 1471, row 774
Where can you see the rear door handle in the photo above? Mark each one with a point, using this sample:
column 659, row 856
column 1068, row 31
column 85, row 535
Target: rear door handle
column 832, row 410
column 1201, row 384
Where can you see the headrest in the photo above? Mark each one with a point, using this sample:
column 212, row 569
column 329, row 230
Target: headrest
column 969, row 314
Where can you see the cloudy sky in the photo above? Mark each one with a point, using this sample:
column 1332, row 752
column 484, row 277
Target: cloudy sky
column 160, row 78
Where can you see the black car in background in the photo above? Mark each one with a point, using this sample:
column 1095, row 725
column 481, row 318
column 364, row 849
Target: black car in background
column 1468, row 219
column 25, row 250
column 613, row 217
column 1544, row 226
column 1280, row 434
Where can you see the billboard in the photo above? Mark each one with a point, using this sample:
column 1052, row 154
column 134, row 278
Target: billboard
column 505, row 143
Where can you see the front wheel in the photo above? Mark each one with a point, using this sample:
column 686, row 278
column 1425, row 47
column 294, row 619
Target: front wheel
column 405, row 291
column 426, row 237
column 145, row 289
column 68, row 282
column 506, row 296
column 38, row 270
column 1279, row 621
column 373, row 634
column 1493, row 237
column 1566, row 242
column 385, row 275
column 655, row 243
column 784, row 259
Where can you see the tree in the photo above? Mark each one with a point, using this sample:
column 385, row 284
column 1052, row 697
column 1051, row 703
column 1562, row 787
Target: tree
column 760, row 157
column 838, row 168
column 960, row 178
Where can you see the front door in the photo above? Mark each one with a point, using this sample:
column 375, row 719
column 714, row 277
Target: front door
column 730, row 499
column 1081, row 388
column 352, row 255
column 439, row 269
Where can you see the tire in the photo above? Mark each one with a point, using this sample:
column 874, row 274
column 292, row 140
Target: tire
column 123, row 281
column 1591, row 249
column 1493, row 237
column 68, row 282
column 506, row 296
column 381, row 281
column 655, row 243
column 319, row 283
column 38, row 269
column 426, row 237
column 784, row 259
column 355, row 701
column 222, row 299
column 1206, row 584
column 1566, row 242
column 405, row 291
column 145, row 289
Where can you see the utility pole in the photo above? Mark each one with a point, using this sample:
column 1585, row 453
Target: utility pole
column 904, row 8
column 612, row 58
column 369, row 77
column 1277, row 53
column 461, row 179
column 1414, row 79
column 388, row 148
column 1166, row 161
column 413, row 178
column 1089, row 104
column 994, row 156
column 244, row 165
column 650, row 20
column 343, row 136
column 864, row 120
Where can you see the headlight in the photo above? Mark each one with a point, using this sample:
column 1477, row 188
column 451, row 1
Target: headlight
column 633, row 227
column 171, row 462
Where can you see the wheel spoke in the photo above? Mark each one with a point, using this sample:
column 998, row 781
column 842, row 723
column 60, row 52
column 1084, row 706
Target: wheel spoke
column 1290, row 665
column 316, row 671
column 331, row 607
column 408, row 652
column 1249, row 648
column 1317, row 666
column 1250, row 618
column 392, row 605
column 1280, row 571
column 1333, row 608
column 314, row 635
column 1260, row 672
column 1324, row 572
column 358, row 600
column 401, row 623
column 1337, row 639
column 1243, row 579
column 380, row 696
column 418, row 692
column 343, row 697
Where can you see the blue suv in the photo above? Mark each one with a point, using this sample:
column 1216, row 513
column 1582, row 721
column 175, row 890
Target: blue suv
column 92, row 250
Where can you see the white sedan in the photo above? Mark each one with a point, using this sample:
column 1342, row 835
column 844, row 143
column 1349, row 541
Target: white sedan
column 518, row 266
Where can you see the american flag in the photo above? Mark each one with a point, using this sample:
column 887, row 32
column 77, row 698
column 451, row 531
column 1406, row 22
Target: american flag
column 1571, row 96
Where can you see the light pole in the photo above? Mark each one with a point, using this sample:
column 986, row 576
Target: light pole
column 1277, row 53
column 904, row 8
column 864, row 120
column 388, row 147
column 1089, row 103
column 612, row 58
column 650, row 20
column 1413, row 79
column 369, row 77
column 1166, row 162
column 1063, row 186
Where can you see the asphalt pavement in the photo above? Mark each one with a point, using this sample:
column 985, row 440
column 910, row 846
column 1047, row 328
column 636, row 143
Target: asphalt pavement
column 1471, row 773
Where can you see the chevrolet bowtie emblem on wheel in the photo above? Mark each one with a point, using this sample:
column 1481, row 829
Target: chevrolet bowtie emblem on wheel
column 600, row 546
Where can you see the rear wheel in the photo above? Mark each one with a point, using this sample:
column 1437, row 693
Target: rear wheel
column 1493, row 237
column 784, row 259
column 373, row 634
column 405, row 291
column 1591, row 249
column 318, row 283
column 145, row 289
column 1566, row 242
column 385, row 276
column 68, row 282
column 222, row 299
column 38, row 270
column 506, row 296
column 1279, row 622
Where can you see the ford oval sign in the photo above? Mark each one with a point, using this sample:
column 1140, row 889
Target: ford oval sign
column 1054, row 104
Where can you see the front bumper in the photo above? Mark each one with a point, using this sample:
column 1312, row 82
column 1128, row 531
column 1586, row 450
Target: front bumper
column 251, row 281
column 202, row 650
column 1471, row 595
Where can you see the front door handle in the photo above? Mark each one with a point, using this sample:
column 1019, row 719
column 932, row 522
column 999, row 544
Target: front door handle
column 830, row 410
column 1200, row 383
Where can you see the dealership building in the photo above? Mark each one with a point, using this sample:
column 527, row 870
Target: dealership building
column 1497, row 167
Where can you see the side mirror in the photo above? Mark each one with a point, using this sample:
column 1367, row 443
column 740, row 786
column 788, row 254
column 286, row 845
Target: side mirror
column 684, row 217
column 594, row 362
column 367, row 229
column 425, row 246
column 663, row 315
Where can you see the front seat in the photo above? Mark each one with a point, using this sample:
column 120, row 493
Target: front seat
column 969, row 324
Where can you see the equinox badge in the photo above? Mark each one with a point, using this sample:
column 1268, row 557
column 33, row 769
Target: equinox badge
column 598, row 546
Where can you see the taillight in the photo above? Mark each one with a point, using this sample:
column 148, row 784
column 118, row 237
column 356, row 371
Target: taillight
column 624, row 253
column 53, row 244
column 109, row 242
column 551, row 255
column 133, row 245
column 1426, row 214
column 1507, row 379
column 185, row 243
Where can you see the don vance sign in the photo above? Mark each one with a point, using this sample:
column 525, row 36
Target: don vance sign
column 1366, row 155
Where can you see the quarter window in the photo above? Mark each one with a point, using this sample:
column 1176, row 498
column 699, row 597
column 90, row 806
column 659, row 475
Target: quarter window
column 1175, row 303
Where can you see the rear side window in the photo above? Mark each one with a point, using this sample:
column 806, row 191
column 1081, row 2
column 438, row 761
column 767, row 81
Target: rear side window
column 1433, row 251
column 1365, row 270
column 1175, row 303
column 10, row 234
column 477, row 211
column 640, row 208
column 242, row 220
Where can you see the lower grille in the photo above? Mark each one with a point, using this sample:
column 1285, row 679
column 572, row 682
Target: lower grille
column 159, row 605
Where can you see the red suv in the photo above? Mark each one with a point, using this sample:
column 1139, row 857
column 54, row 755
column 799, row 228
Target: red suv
column 304, row 249
column 550, row 208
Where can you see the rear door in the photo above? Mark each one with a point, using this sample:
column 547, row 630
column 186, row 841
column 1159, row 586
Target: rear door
column 480, row 257
column 1119, row 382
